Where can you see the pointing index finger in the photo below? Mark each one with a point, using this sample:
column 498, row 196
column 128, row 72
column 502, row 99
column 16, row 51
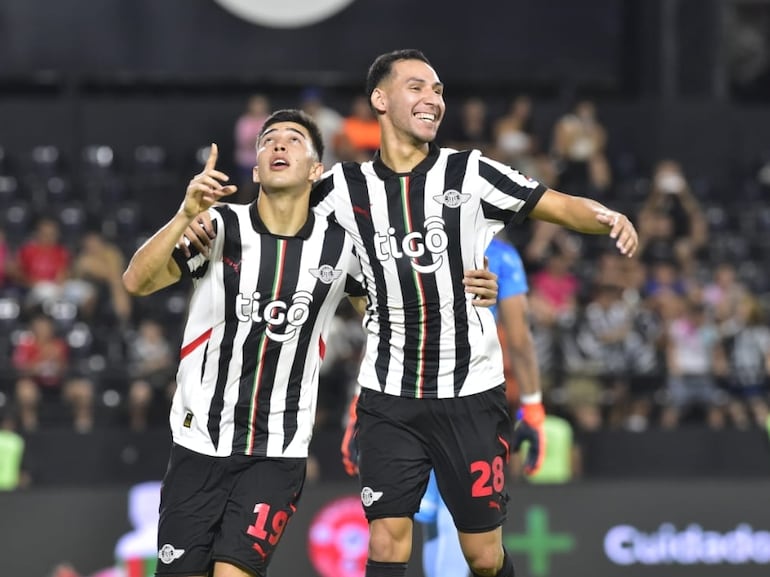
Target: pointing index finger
column 211, row 161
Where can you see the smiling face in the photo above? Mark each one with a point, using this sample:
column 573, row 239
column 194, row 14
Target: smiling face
column 410, row 101
column 286, row 158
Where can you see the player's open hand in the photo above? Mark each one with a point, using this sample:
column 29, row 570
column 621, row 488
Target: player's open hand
column 482, row 284
column 621, row 229
column 206, row 188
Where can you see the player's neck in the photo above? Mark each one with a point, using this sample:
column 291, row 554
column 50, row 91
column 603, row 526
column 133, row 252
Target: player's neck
column 284, row 213
column 401, row 153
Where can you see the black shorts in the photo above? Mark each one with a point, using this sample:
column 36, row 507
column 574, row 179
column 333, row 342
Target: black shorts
column 231, row 509
column 465, row 439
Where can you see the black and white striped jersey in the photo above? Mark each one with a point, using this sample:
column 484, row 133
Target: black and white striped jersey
column 415, row 234
column 258, row 317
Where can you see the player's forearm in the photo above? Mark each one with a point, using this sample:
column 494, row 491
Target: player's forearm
column 575, row 212
column 152, row 268
column 525, row 367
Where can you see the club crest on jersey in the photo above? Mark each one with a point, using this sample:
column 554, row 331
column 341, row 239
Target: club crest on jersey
column 326, row 273
column 369, row 496
column 168, row 554
column 415, row 244
column 452, row 198
column 283, row 320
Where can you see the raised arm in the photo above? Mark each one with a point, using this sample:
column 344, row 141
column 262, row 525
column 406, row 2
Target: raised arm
column 152, row 266
column 587, row 216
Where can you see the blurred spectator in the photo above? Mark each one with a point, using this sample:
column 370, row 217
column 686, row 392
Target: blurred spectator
column 102, row 263
column 657, row 240
column 42, row 266
column 472, row 129
column 554, row 289
column 552, row 302
column 692, row 342
column 78, row 394
column 247, row 129
column 664, row 280
column 329, row 121
column 41, row 361
column 579, row 144
column 547, row 237
column 148, row 406
column 151, row 371
column 515, row 142
column 359, row 137
column 27, row 405
column 41, row 355
column 746, row 348
column 516, row 145
column 724, row 294
column 671, row 216
column 602, row 336
column 646, row 365
column 150, row 356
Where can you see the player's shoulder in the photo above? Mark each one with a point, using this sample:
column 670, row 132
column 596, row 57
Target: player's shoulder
column 225, row 209
column 446, row 152
column 327, row 225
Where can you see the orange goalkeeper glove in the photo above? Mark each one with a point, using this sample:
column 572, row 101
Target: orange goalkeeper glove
column 529, row 428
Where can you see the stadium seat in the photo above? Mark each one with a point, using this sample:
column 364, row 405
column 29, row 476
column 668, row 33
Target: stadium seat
column 149, row 158
column 122, row 223
column 16, row 219
column 98, row 158
column 46, row 160
column 717, row 217
column 72, row 220
column 10, row 311
column 80, row 341
column 9, row 188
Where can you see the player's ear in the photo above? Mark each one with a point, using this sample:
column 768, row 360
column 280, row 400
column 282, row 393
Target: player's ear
column 377, row 100
column 255, row 174
column 316, row 172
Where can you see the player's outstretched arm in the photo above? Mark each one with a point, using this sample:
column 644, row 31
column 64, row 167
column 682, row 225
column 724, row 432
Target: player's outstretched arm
column 587, row 216
column 152, row 266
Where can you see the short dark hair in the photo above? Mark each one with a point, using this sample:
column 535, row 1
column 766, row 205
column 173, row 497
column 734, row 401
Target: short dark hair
column 383, row 66
column 298, row 117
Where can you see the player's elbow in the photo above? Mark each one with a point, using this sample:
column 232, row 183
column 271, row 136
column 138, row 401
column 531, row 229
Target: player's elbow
column 133, row 285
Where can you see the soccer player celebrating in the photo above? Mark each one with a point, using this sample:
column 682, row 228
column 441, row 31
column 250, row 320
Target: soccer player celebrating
column 432, row 393
column 262, row 304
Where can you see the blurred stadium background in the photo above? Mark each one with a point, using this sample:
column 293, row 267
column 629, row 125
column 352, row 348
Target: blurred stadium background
column 659, row 108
